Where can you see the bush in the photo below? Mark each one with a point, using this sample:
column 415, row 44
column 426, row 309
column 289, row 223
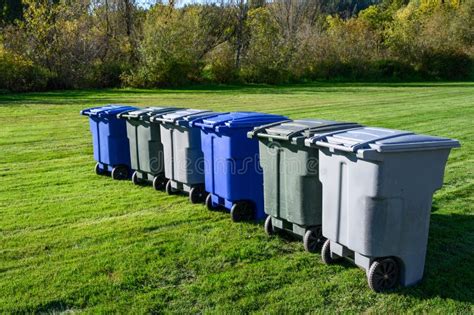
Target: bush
column 107, row 74
column 20, row 75
column 446, row 65
column 392, row 70
column 171, row 50
column 220, row 65
column 266, row 59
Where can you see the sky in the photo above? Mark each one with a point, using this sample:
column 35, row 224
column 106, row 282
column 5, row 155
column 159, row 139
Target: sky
column 147, row 3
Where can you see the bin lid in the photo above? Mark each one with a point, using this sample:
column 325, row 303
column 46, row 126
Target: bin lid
column 146, row 113
column 185, row 117
column 239, row 120
column 288, row 130
column 381, row 140
column 108, row 110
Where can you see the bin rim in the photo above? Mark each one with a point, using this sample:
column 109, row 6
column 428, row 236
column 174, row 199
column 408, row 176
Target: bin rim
column 381, row 140
column 307, row 131
column 182, row 117
column 144, row 113
column 235, row 120
column 106, row 110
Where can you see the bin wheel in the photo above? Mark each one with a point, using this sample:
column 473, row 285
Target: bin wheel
column 209, row 204
column 313, row 239
column 135, row 179
column 326, row 253
column 269, row 226
column 169, row 189
column 98, row 170
column 242, row 211
column 120, row 172
column 159, row 182
column 383, row 275
column 197, row 194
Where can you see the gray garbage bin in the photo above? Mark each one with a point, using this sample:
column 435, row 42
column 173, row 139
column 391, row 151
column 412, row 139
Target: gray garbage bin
column 184, row 162
column 146, row 149
column 292, row 190
column 378, row 186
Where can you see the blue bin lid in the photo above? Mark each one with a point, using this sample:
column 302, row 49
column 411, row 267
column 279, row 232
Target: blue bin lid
column 291, row 129
column 380, row 140
column 185, row 117
column 146, row 113
column 239, row 120
column 106, row 111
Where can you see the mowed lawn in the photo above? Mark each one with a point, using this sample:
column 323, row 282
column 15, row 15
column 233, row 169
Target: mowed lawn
column 74, row 241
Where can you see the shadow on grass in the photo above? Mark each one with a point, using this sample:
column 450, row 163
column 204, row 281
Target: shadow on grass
column 449, row 272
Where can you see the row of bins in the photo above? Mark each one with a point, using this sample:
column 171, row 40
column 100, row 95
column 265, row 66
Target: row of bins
column 350, row 191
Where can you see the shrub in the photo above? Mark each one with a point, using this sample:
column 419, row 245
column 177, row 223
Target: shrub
column 20, row 75
column 220, row 65
column 171, row 49
column 446, row 65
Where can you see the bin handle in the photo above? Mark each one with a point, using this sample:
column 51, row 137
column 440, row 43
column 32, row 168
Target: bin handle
column 125, row 114
column 335, row 146
column 252, row 133
column 363, row 144
column 87, row 111
column 360, row 145
column 166, row 120
column 315, row 139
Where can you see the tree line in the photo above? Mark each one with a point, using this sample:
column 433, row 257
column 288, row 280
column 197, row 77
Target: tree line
column 52, row 44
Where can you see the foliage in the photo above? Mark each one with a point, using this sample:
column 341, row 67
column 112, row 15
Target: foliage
column 220, row 64
column 105, row 43
column 20, row 74
column 171, row 47
column 265, row 58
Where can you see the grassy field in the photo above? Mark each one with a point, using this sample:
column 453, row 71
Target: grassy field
column 74, row 241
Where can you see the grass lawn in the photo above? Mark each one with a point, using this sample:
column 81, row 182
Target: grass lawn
column 71, row 240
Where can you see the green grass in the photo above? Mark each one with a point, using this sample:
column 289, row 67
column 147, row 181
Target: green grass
column 71, row 240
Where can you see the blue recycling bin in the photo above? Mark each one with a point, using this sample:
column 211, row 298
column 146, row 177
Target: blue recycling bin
column 233, row 177
column 109, row 138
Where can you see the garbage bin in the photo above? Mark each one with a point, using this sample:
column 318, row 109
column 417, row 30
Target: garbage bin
column 378, row 186
column 292, row 190
column 109, row 138
column 146, row 149
column 232, row 172
column 182, row 151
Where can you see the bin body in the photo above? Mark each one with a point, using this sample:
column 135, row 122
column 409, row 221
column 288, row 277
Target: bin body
column 182, row 148
column 378, row 186
column 109, row 136
column 146, row 149
column 232, row 164
column 292, row 190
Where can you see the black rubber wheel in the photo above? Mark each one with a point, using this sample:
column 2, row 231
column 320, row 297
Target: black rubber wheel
column 120, row 172
column 98, row 170
column 169, row 189
column 242, row 211
column 209, row 204
column 313, row 239
column 135, row 179
column 197, row 194
column 159, row 182
column 269, row 226
column 383, row 275
column 326, row 253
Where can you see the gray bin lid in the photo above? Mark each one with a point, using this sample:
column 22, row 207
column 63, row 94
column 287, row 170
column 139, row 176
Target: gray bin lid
column 380, row 140
column 146, row 113
column 185, row 117
column 293, row 129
